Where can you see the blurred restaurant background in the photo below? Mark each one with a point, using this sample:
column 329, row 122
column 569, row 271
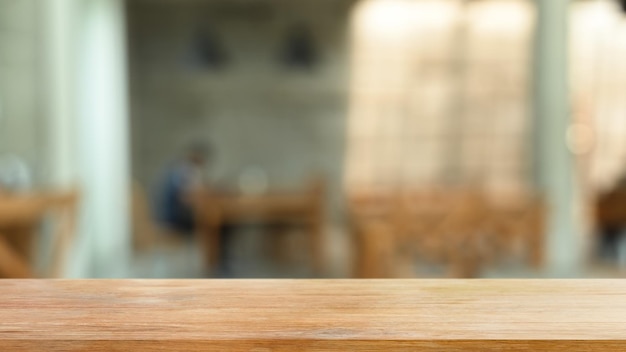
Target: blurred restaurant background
column 312, row 138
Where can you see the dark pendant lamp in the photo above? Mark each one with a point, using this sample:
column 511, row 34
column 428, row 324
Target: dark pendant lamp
column 299, row 50
column 207, row 51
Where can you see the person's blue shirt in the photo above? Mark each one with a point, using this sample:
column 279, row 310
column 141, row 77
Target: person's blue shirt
column 174, row 211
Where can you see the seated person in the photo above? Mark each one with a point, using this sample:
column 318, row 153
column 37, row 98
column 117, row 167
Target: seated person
column 182, row 177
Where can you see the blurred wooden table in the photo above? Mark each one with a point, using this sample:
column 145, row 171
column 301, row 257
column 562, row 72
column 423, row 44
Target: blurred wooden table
column 313, row 315
column 304, row 208
column 20, row 215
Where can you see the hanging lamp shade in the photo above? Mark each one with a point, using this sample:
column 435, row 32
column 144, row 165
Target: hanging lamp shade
column 299, row 50
column 207, row 50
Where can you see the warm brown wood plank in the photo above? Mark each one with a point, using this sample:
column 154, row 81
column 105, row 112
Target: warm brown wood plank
column 313, row 315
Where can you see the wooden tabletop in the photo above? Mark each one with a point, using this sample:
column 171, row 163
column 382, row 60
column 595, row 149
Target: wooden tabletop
column 313, row 315
column 269, row 206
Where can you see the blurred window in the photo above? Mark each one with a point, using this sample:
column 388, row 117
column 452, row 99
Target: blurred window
column 598, row 81
column 440, row 92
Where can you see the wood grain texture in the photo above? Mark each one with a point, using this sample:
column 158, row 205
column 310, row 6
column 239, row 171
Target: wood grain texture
column 313, row 315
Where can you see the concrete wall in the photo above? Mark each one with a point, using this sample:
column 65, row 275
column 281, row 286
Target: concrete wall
column 254, row 111
column 21, row 134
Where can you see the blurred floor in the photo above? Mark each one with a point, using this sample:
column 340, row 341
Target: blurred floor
column 253, row 254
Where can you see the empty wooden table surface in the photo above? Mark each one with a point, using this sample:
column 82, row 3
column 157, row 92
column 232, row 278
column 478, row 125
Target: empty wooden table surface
column 312, row 315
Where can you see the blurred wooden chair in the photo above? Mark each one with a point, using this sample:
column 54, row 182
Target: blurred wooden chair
column 372, row 219
column 443, row 226
column 464, row 235
column 20, row 216
column 461, row 229
column 375, row 249
column 609, row 215
column 517, row 227
column 147, row 233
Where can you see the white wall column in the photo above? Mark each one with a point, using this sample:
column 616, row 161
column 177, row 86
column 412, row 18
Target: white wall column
column 103, row 138
column 58, row 40
column 554, row 162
